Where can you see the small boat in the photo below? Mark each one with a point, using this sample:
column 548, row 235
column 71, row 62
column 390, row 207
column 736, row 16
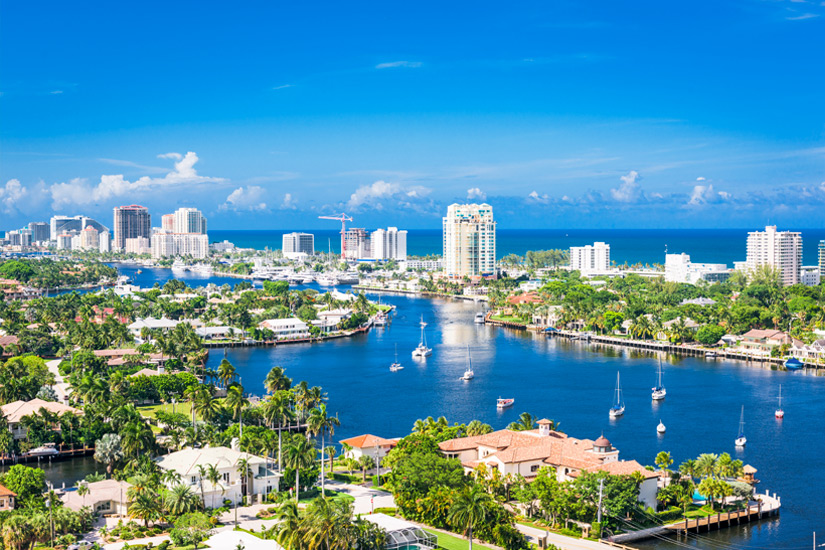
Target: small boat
column 779, row 412
column 422, row 350
column 711, row 355
column 793, row 364
column 468, row 374
column 660, row 429
column 659, row 392
column 502, row 403
column 741, row 440
column 479, row 318
column 618, row 406
column 139, row 271
column 396, row 366
column 380, row 320
column 46, row 450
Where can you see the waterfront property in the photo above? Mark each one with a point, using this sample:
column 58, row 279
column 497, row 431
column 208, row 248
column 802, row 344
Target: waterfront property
column 368, row 445
column 762, row 341
column 191, row 464
column 289, row 328
column 17, row 410
column 7, row 497
column 526, row 452
column 104, row 497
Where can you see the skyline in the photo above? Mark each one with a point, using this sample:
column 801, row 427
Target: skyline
column 703, row 116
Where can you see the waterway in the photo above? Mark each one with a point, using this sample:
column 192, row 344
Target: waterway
column 570, row 382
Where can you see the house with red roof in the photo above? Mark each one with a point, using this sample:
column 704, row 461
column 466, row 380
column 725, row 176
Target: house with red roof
column 525, row 453
column 367, row 445
column 7, row 497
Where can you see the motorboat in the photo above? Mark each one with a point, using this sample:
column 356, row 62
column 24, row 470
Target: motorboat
column 503, row 403
column 617, row 409
column 793, row 364
column 711, row 355
column 327, row 280
column 741, row 440
column 659, row 391
column 479, row 318
column 660, row 429
column 422, row 350
column 468, row 374
column 780, row 413
column 47, row 449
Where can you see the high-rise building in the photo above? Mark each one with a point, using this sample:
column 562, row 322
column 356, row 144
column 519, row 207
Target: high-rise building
column 469, row 240
column 40, row 231
column 679, row 269
column 295, row 245
column 358, row 243
column 195, row 245
column 64, row 241
column 389, row 244
column 131, row 222
column 779, row 249
column 593, row 258
column 105, row 242
column 90, row 239
column 138, row 245
column 822, row 258
column 189, row 220
column 67, row 224
column 167, row 222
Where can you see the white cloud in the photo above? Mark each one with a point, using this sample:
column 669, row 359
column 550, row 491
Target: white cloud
column 382, row 195
column 10, row 194
column 543, row 199
column 803, row 17
column 476, row 193
column 282, row 87
column 704, row 194
column 56, row 92
column 77, row 191
column 396, row 64
column 245, row 198
column 289, row 202
column 700, row 178
column 629, row 190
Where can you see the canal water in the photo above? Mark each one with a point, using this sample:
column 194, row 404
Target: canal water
column 571, row 383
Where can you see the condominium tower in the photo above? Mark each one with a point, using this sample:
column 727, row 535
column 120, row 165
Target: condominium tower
column 779, row 249
column 593, row 258
column 469, row 240
column 388, row 244
column 189, row 220
column 131, row 222
column 295, row 245
column 822, row 259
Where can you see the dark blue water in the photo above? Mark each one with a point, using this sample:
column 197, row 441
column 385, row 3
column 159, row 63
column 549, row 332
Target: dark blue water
column 646, row 246
column 573, row 384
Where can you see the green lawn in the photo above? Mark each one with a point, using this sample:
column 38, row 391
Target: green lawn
column 454, row 543
column 508, row 319
column 150, row 410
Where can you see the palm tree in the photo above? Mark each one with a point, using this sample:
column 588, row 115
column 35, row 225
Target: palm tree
column 276, row 380
column 83, row 490
column 320, row 423
column 137, row 439
column 202, row 473
column 300, row 453
column 688, row 468
column 707, row 465
column 331, row 452
column 663, row 461
column 525, row 422
column 214, row 477
column 246, row 471
column 226, row 372
column 236, row 402
column 108, row 451
column 181, row 500
column 365, row 462
column 289, row 533
column 469, row 509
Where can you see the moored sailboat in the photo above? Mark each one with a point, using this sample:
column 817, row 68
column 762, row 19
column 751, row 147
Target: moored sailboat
column 396, row 366
column 422, row 350
column 469, row 374
column 741, row 440
column 780, row 413
column 659, row 392
column 618, row 406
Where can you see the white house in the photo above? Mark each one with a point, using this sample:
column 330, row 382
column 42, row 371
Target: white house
column 289, row 328
column 188, row 464
column 163, row 324
column 525, row 453
column 334, row 316
column 368, row 445
column 104, row 497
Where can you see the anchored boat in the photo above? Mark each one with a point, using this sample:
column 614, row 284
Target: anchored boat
column 618, row 406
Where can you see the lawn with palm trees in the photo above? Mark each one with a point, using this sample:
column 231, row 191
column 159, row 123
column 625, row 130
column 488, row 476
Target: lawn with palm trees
column 450, row 542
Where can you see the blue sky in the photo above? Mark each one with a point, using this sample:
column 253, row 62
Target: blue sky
column 559, row 114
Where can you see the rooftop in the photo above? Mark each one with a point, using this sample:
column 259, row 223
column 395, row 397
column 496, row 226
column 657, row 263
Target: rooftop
column 15, row 411
column 367, row 440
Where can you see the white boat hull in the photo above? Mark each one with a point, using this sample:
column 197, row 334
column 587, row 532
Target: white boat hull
column 615, row 413
column 741, row 441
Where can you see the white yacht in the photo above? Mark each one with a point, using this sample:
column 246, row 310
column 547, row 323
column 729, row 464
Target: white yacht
column 659, row 392
column 469, row 374
column 46, row 450
column 327, row 280
column 422, row 350
column 479, row 318
column 660, row 429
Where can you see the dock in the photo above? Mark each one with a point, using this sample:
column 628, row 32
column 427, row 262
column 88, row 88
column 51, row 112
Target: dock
column 765, row 506
column 61, row 455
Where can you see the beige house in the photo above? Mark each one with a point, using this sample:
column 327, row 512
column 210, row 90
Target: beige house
column 6, row 499
column 525, row 453
column 368, row 445
column 15, row 411
column 761, row 342
column 104, row 497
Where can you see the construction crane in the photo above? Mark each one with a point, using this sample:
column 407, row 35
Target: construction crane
column 343, row 218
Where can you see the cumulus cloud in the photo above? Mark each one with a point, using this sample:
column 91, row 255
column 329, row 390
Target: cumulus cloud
column 542, row 199
column 700, row 178
column 10, row 194
column 704, row 194
column 396, row 64
column 78, row 191
column 476, row 193
column 380, row 192
column 289, row 202
column 245, row 198
column 629, row 190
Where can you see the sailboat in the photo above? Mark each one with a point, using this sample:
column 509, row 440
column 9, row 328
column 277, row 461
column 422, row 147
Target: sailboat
column 741, row 440
column 660, row 429
column 422, row 350
column 618, row 406
column 779, row 412
column 396, row 366
column 659, row 392
column 469, row 374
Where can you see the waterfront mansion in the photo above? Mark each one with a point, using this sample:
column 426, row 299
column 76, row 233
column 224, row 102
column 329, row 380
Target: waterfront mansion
column 524, row 453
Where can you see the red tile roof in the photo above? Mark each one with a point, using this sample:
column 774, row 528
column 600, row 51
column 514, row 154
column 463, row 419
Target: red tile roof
column 5, row 492
column 368, row 440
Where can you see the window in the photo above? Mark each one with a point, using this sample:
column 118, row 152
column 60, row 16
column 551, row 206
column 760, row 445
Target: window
column 535, row 468
column 226, row 477
column 194, row 480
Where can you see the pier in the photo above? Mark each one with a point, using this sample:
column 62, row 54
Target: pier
column 61, row 455
column 765, row 506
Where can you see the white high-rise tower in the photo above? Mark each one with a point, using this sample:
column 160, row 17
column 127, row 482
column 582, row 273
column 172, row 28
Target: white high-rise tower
column 469, row 240
column 779, row 249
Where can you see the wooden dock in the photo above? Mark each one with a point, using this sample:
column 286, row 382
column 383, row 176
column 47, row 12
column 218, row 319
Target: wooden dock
column 764, row 507
column 61, row 455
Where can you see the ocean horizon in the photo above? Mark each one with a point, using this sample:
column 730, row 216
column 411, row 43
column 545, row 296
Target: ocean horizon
column 646, row 246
